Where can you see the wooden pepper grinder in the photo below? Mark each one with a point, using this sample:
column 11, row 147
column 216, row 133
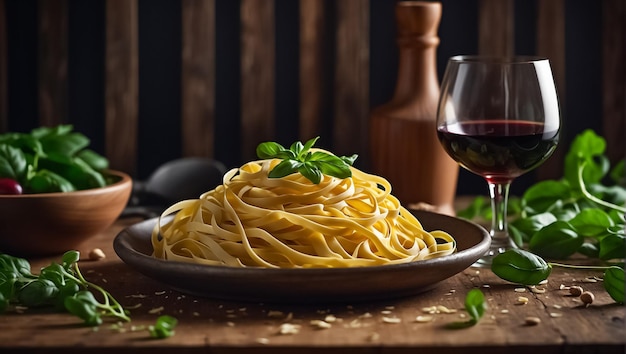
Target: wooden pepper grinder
column 403, row 138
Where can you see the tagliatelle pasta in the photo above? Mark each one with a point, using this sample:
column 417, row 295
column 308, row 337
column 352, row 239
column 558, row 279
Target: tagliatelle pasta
column 252, row 220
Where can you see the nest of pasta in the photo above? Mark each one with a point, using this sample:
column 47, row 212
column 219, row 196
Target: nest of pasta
column 252, row 220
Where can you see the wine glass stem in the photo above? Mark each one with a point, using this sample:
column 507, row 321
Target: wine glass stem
column 499, row 193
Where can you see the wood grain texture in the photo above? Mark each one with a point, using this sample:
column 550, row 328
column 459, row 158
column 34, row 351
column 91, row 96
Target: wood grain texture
column 122, row 84
column 213, row 326
column 351, row 86
column 614, row 78
column 312, row 73
column 198, row 77
column 496, row 27
column 257, row 75
column 551, row 44
column 52, row 62
column 4, row 79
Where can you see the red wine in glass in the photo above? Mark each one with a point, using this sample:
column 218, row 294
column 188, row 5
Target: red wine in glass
column 498, row 150
column 498, row 117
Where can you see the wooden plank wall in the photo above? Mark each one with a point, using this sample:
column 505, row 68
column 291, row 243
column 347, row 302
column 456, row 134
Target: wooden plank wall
column 349, row 83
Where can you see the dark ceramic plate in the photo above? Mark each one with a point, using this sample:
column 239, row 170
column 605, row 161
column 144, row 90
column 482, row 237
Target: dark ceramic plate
column 303, row 286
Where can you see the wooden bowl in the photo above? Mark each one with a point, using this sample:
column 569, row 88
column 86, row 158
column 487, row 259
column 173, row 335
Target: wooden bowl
column 52, row 223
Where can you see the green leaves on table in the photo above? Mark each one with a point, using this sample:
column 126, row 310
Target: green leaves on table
column 61, row 286
column 523, row 267
column 299, row 158
column 475, row 306
column 520, row 267
column 164, row 327
column 53, row 159
column 614, row 283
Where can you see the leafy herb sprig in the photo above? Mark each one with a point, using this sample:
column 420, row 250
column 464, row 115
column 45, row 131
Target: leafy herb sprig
column 59, row 285
column 299, row 158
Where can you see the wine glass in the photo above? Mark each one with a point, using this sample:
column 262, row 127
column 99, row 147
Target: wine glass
column 498, row 118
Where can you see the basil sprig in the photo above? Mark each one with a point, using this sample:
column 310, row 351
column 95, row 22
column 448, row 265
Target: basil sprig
column 299, row 158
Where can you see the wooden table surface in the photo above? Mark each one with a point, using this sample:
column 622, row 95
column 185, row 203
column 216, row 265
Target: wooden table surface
column 392, row 326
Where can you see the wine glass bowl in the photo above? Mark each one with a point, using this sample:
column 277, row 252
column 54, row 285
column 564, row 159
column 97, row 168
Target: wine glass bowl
column 498, row 118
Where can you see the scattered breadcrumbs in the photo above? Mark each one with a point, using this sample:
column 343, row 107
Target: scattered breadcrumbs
column 366, row 315
column 319, row 324
column 262, row 340
column 289, row 328
column 330, row 318
column 423, row 319
column 392, row 320
column 537, row 290
column 156, row 310
column 532, row 321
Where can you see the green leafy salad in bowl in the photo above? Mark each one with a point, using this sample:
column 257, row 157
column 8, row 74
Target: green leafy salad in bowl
column 49, row 159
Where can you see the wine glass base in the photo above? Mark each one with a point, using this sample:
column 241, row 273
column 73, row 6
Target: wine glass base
column 497, row 247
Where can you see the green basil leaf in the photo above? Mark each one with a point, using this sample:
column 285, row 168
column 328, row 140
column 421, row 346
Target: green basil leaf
column 66, row 144
column 349, row 159
column 69, row 258
column 311, row 172
column 541, row 196
column 589, row 249
column 164, row 327
column 37, row 292
column 59, row 130
column 269, row 150
column 612, row 246
column 588, row 148
column 19, row 267
column 84, row 306
column 309, row 144
column 517, row 236
column 475, row 304
column 284, row 168
column 297, row 148
column 12, row 163
column 474, row 210
column 614, row 283
column 45, row 181
column 520, row 267
column 558, row 240
column 534, row 223
column 591, row 222
column 93, row 159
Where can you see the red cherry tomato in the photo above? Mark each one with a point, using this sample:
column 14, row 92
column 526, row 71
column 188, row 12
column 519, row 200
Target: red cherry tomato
column 9, row 186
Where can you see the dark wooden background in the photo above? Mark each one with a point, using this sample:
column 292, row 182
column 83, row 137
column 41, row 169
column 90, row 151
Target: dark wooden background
column 153, row 80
